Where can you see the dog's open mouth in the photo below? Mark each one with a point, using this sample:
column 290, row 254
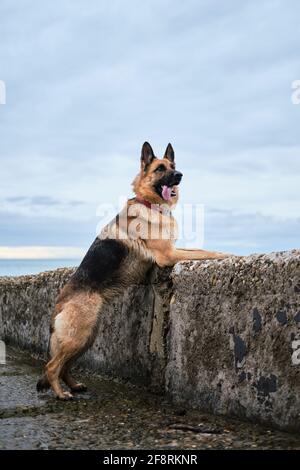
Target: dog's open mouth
column 166, row 187
column 168, row 192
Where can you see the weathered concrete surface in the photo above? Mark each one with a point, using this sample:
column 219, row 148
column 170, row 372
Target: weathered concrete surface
column 233, row 344
column 222, row 336
column 113, row 416
column 26, row 303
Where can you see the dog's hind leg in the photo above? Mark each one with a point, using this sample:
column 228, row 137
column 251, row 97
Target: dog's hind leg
column 70, row 381
column 74, row 330
column 53, row 369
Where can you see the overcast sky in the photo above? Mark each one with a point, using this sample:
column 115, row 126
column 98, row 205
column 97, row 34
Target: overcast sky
column 88, row 82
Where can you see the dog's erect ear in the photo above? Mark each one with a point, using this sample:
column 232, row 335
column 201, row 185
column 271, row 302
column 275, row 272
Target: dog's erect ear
column 147, row 155
column 169, row 153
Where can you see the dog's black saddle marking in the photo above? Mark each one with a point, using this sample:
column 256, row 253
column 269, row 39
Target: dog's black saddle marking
column 101, row 264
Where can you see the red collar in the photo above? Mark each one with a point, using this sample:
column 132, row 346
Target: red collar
column 156, row 207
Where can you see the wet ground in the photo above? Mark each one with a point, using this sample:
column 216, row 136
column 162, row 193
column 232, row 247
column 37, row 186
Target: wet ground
column 113, row 415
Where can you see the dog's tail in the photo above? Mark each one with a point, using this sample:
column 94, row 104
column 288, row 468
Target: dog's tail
column 43, row 384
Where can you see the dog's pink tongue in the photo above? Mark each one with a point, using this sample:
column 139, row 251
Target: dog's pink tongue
column 166, row 193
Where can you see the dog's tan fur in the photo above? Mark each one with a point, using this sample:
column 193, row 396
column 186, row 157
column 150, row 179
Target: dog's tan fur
column 75, row 319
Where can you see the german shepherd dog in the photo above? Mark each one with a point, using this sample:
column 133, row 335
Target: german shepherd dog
column 121, row 255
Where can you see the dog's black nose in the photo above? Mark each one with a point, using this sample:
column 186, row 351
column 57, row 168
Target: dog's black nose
column 177, row 176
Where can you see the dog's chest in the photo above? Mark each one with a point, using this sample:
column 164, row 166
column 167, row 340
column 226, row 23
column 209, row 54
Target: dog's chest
column 137, row 262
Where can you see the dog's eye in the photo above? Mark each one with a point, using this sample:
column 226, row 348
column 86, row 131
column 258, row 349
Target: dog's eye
column 160, row 168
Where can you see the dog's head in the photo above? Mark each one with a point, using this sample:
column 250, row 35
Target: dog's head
column 158, row 179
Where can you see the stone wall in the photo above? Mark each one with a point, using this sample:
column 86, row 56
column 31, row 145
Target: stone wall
column 129, row 343
column 234, row 339
column 223, row 336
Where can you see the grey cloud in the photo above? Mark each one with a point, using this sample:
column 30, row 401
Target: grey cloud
column 35, row 200
column 42, row 201
column 23, row 230
column 250, row 232
column 88, row 83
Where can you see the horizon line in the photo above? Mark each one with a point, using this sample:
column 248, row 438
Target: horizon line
column 41, row 252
